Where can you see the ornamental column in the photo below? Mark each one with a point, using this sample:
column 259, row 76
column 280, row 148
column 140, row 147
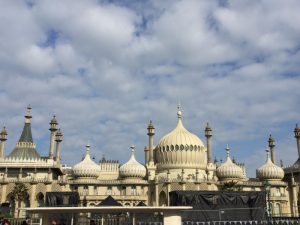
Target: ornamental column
column 208, row 135
column 3, row 138
column 168, row 187
column 272, row 148
column 294, row 197
column 53, row 129
column 151, row 133
column 297, row 136
column 58, row 139
column 146, row 150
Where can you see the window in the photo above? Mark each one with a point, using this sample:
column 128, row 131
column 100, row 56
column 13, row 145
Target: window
column 123, row 190
column 133, row 190
column 85, row 190
column 109, row 190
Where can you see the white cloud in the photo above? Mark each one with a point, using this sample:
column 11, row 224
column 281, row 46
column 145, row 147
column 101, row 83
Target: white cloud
column 106, row 69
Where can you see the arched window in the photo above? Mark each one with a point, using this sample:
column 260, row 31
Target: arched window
column 40, row 199
column 85, row 190
column 162, row 199
column 277, row 209
column 12, row 204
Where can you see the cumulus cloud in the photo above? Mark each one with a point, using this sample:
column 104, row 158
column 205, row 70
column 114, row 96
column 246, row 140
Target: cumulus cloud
column 106, row 68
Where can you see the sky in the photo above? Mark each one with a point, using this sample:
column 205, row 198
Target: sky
column 106, row 68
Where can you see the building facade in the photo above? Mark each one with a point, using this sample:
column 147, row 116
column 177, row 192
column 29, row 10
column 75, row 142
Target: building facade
column 179, row 161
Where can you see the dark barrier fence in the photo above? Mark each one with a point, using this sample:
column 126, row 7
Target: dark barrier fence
column 64, row 199
column 221, row 206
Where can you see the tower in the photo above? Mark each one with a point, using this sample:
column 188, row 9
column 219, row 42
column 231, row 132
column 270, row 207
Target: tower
column 150, row 164
column 58, row 139
column 3, row 138
column 150, row 133
column 271, row 142
column 208, row 135
column 297, row 136
column 53, row 129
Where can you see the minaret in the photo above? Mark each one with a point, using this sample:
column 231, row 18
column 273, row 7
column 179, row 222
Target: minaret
column 146, row 150
column 151, row 134
column 53, row 129
column 3, row 138
column 208, row 135
column 272, row 148
column 58, row 139
column 297, row 136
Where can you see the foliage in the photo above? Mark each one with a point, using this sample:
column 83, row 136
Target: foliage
column 19, row 193
column 231, row 186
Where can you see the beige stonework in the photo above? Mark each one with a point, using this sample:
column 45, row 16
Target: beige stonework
column 180, row 161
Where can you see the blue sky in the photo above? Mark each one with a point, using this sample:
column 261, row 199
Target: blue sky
column 105, row 68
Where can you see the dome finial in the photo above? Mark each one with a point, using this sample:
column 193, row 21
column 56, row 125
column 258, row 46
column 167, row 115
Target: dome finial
column 268, row 154
column 179, row 113
column 28, row 114
column 132, row 149
column 88, row 146
column 227, row 151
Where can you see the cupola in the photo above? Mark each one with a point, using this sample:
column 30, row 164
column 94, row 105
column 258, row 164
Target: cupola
column 180, row 149
column 269, row 171
column 87, row 167
column 229, row 170
column 132, row 169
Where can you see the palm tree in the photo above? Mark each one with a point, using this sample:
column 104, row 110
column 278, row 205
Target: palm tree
column 20, row 194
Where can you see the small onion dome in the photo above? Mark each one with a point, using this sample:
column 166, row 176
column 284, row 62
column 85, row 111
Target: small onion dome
column 269, row 171
column 228, row 170
column 87, row 167
column 132, row 169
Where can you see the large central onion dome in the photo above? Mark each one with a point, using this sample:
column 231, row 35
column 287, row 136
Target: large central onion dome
column 87, row 167
column 132, row 169
column 269, row 171
column 229, row 170
column 180, row 149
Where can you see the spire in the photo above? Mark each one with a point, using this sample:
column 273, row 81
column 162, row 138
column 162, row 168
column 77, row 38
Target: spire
column 271, row 142
column 179, row 113
column 87, row 149
column 227, row 151
column 132, row 150
column 26, row 135
column 28, row 115
column 268, row 155
column 25, row 147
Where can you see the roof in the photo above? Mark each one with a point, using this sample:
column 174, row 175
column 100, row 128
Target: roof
column 24, row 153
column 26, row 135
column 25, row 147
column 109, row 201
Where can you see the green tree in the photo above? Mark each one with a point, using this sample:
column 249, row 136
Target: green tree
column 20, row 193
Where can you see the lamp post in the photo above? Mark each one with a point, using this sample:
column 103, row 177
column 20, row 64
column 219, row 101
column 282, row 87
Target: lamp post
column 268, row 192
